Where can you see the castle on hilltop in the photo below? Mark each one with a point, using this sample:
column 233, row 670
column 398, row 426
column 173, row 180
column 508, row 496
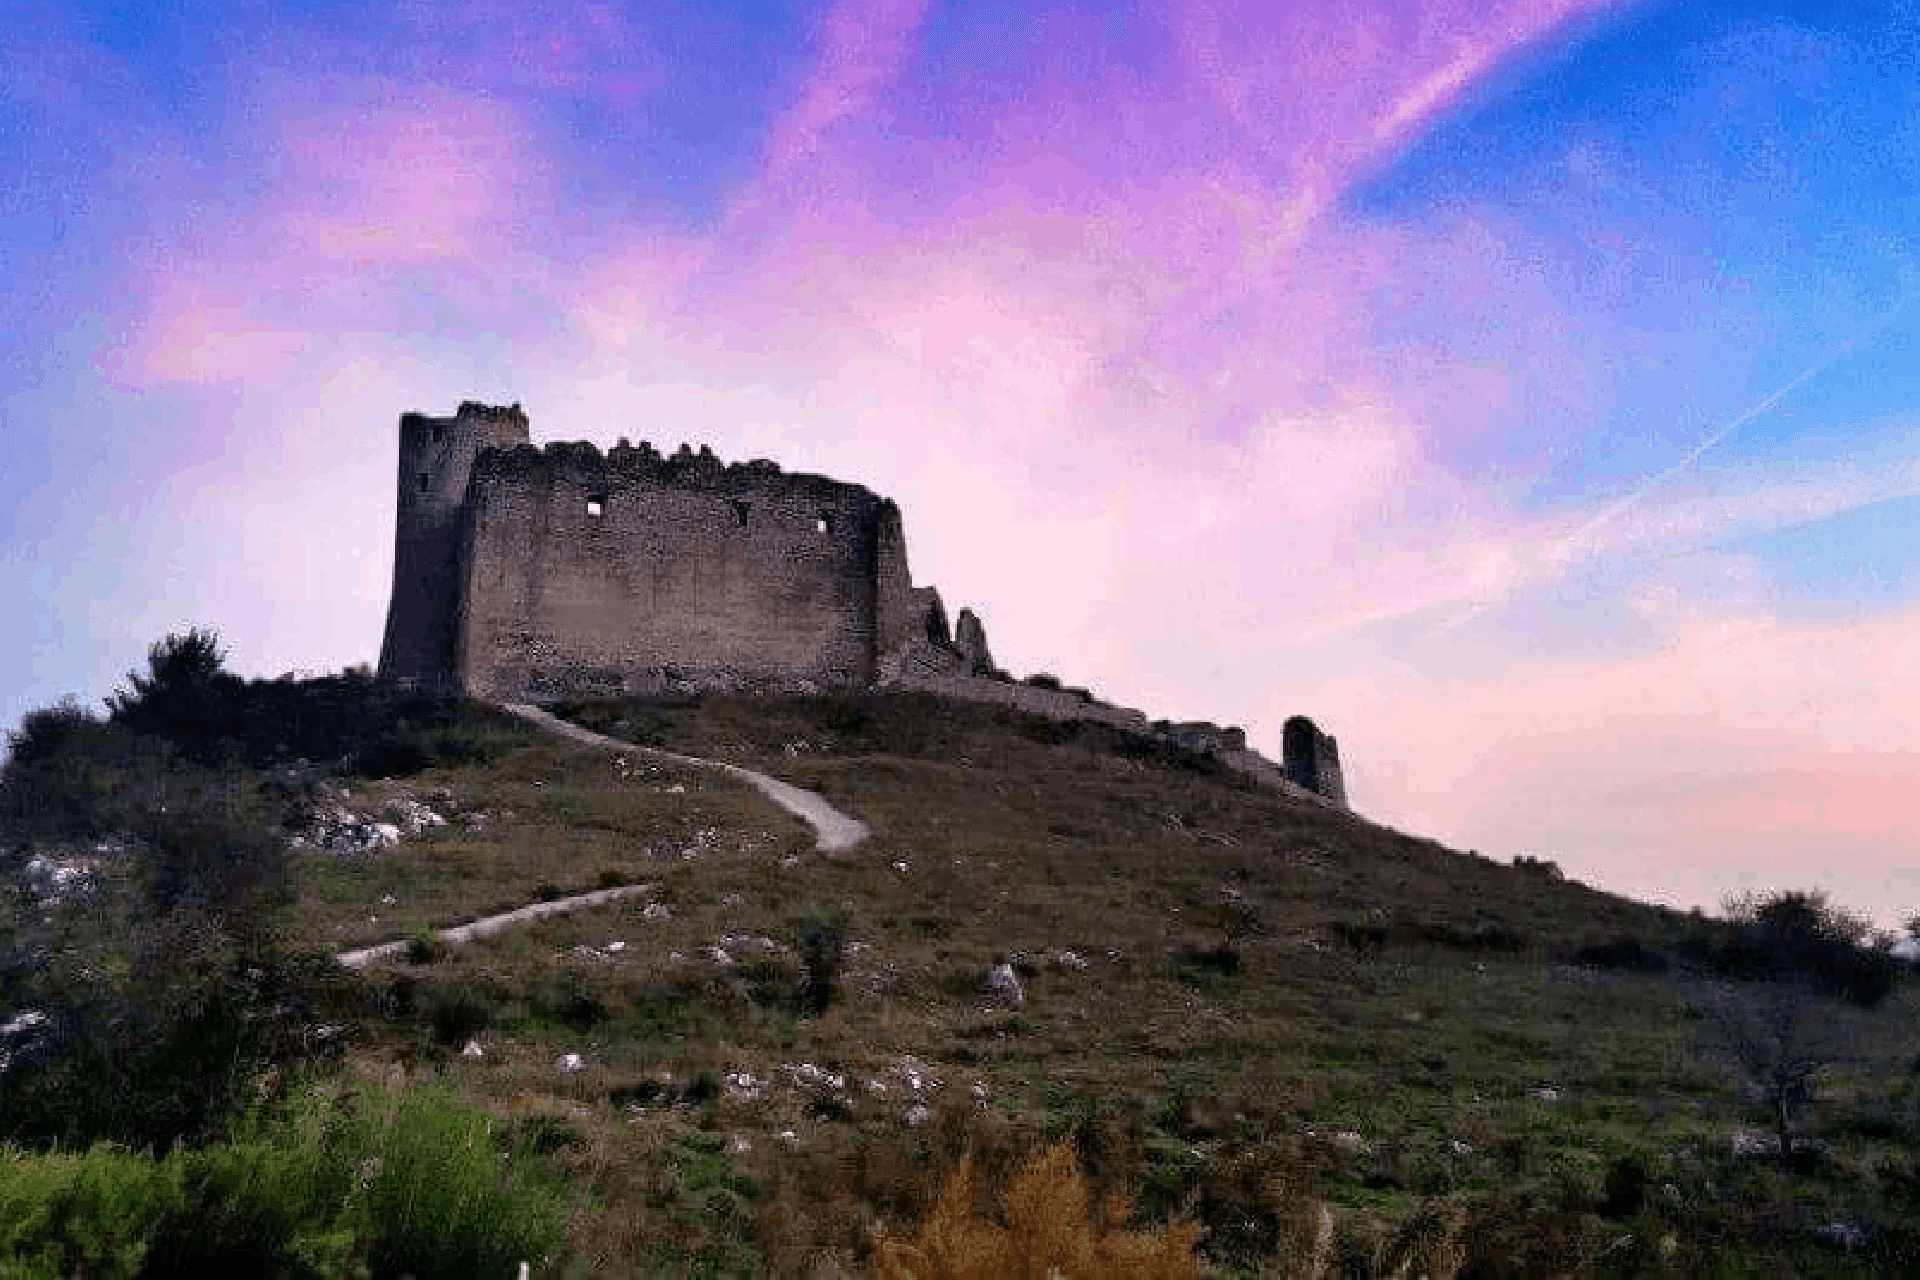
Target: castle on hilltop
column 532, row 574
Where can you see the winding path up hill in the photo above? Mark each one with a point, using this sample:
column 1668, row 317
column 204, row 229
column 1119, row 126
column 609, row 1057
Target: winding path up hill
column 835, row 830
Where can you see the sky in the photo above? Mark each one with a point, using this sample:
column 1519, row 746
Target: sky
column 1526, row 390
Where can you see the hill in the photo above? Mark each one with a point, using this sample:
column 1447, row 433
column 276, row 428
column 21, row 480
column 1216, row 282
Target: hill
column 1238, row 1005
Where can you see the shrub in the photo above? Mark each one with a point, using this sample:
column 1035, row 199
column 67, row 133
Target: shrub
column 414, row 1184
column 397, row 753
column 165, row 990
column 187, row 697
column 72, row 776
column 1053, row 1228
column 1797, row 936
column 426, row 947
column 457, row 1015
column 822, row 944
column 1041, row 680
column 90, row 1213
column 374, row 729
column 442, row 1199
column 204, row 855
column 567, row 997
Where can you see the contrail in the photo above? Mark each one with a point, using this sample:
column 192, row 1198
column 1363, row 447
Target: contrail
column 1812, row 371
column 1562, row 552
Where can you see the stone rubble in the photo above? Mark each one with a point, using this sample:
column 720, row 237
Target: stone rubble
column 1004, row 984
column 320, row 818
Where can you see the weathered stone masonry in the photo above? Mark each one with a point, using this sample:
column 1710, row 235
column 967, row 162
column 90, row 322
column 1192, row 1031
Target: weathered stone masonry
column 530, row 574
column 1312, row 759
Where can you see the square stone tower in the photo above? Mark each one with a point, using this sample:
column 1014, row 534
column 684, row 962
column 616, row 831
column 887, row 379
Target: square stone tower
column 436, row 462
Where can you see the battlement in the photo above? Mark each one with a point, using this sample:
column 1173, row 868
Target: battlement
column 474, row 411
column 695, row 471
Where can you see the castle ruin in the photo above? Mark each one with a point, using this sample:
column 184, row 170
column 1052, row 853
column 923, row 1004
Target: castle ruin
column 525, row 573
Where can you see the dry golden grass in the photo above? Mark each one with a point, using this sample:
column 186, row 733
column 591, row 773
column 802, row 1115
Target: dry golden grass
column 1053, row 1229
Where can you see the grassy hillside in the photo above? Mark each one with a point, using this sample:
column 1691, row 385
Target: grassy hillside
column 1238, row 1006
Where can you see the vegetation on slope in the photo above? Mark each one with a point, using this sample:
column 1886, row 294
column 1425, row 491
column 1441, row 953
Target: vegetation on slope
column 1331, row 1048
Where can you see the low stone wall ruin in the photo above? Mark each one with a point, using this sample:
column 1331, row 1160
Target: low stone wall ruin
column 1228, row 746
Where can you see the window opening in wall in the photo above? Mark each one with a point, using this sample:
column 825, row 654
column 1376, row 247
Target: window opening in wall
column 597, row 506
column 439, row 433
column 740, row 510
column 426, row 481
column 823, row 523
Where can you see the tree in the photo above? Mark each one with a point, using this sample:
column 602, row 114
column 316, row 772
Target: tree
column 187, row 696
column 1776, row 1041
column 176, row 664
column 1798, row 936
column 1796, row 958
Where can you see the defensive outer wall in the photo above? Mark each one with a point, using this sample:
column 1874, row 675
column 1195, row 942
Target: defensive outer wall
column 526, row 574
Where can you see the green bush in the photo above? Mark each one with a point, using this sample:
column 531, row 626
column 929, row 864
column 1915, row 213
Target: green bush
column 409, row 1184
column 371, row 728
column 426, row 947
column 1797, row 936
column 72, row 776
column 567, row 996
column 70, row 1214
column 187, row 696
column 443, row 1200
column 1624, row 953
column 165, row 988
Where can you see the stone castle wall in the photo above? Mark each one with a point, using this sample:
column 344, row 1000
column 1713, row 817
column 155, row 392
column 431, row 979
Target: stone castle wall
column 595, row 574
column 1228, row 746
column 523, row 572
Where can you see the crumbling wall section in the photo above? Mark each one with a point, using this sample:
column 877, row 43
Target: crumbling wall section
column 591, row 574
column 1227, row 745
column 1055, row 704
column 900, row 612
column 1313, row 760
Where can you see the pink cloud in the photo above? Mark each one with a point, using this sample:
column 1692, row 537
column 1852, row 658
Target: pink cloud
column 397, row 179
column 1742, row 750
column 193, row 336
column 861, row 46
column 584, row 48
column 1129, row 393
column 380, row 183
column 1324, row 88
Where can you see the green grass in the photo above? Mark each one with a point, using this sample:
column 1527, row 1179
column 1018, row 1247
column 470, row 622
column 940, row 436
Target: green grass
column 412, row 1183
column 1378, row 1042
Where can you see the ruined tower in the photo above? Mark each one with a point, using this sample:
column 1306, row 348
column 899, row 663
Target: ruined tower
column 1312, row 760
column 436, row 461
